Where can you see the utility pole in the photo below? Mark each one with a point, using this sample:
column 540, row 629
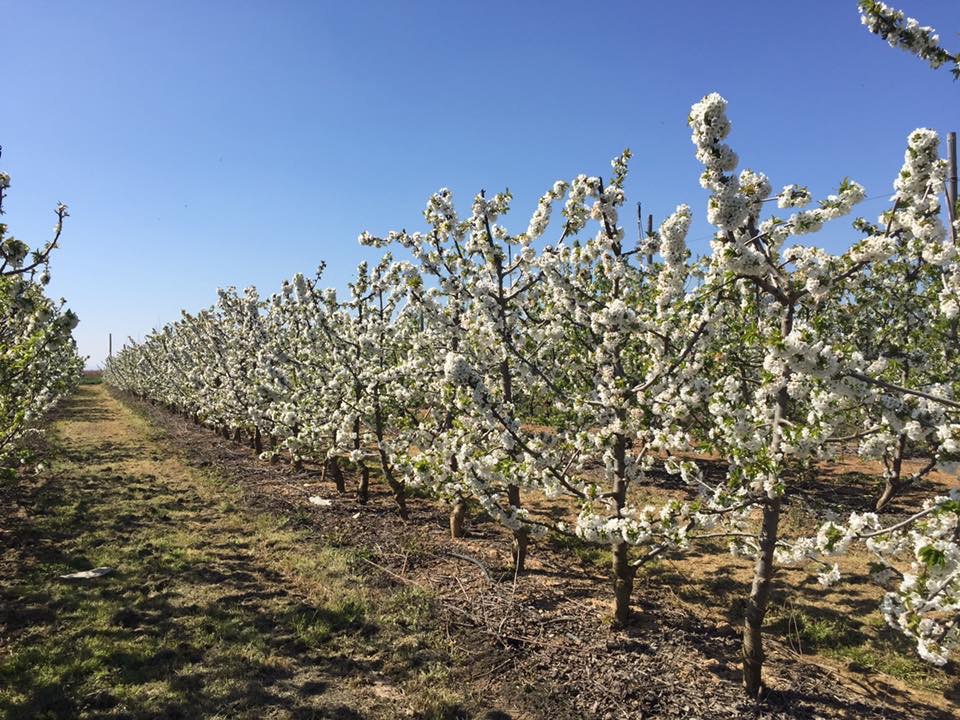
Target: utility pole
column 109, row 345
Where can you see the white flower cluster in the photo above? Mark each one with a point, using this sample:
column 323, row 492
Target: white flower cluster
column 727, row 207
column 488, row 364
column 907, row 34
column 794, row 196
column 541, row 218
column 831, row 208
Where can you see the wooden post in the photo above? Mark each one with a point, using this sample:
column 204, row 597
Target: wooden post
column 109, row 345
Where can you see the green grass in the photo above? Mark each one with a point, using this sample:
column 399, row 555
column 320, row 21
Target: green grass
column 863, row 644
column 211, row 610
column 596, row 557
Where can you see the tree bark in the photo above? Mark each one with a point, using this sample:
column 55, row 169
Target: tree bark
column 521, row 538
column 457, row 514
column 332, row 468
column 757, row 603
column 623, row 574
column 892, row 483
column 363, row 489
column 395, row 485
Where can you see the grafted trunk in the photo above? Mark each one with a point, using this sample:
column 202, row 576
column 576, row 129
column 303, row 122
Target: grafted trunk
column 457, row 515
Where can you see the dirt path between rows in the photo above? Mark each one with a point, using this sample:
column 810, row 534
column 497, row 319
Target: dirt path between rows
column 211, row 608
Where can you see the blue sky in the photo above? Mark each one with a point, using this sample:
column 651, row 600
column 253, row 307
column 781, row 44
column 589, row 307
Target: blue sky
column 206, row 144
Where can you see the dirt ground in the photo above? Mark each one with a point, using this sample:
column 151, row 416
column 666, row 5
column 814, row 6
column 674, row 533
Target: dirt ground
column 234, row 596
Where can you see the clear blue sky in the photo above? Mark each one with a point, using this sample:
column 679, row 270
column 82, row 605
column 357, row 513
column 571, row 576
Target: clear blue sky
column 206, row 144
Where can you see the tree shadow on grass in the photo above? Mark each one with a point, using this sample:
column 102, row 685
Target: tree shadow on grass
column 242, row 649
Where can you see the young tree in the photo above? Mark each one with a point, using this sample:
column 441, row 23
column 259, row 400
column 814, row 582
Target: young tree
column 39, row 364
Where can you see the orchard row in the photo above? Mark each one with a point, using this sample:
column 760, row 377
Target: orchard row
column 493, row 367
column 39, row 364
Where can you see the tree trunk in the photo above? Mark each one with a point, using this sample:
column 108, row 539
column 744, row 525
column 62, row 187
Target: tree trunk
column 764, row 569
column 257, row 441
column 521, row 538
column 889, row 490
column 893, row 483
column 237, row 437
column 363, row 489
column 623, row 575
column 622, row 572
column 457, row 515
column 332, row 468
column 757, row 603
column 225, row 432
column 396, row 486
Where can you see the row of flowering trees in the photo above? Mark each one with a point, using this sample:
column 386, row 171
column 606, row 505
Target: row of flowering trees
column 39, row 364
column 565, row 362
